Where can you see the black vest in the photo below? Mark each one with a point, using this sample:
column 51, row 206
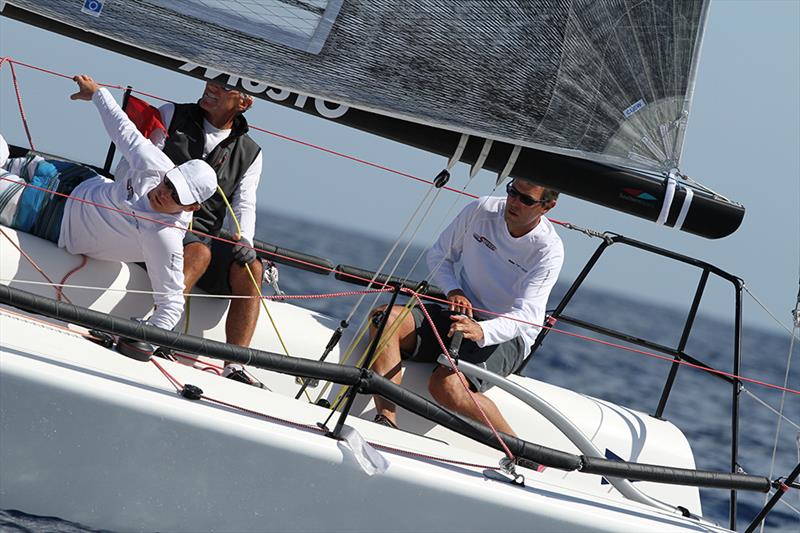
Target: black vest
column 230, row 159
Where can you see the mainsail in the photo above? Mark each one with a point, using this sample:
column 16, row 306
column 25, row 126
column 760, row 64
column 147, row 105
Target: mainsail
column 590, row 97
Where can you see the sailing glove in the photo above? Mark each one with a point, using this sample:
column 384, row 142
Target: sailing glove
column 243, row 252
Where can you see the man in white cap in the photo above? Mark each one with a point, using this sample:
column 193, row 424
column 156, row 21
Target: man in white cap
column 142, row 217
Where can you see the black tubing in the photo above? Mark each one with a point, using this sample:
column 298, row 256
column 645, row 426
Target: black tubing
column 369, row 382
column 286, row 256
column 673, row 475
column 474, row 430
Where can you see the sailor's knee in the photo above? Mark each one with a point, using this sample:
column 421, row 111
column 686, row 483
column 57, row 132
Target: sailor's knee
column 257, row 269
column 196, row 255
column 444, row 387
column 244, row 283
column 377, row 314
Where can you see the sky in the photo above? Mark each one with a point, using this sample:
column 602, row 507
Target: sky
column 742, row 140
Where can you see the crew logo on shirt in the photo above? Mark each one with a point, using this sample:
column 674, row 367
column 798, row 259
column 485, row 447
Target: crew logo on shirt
column 129, row 188
column 486, row 242
column 518, row 265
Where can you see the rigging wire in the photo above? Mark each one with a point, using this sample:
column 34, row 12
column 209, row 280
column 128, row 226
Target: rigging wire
column 795, row 315
column 770, row 408
column 791, row 331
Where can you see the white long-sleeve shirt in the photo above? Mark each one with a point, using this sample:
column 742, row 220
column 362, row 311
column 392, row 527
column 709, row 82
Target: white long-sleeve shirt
column 500, row 273
column 243, row 200
column 106, row 234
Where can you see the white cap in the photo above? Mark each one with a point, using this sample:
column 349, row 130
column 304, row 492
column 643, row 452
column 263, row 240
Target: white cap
column 3, row 151
column 194, row 181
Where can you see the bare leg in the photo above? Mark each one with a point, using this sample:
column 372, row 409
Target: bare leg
column 388, row 361
column 243, row 312
column 447, row 389
column 196, row 258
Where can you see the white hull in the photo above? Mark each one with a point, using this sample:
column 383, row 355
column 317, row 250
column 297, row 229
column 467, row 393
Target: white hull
column 89, row 435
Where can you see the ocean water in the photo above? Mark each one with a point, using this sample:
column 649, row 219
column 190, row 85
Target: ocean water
column 699, row 404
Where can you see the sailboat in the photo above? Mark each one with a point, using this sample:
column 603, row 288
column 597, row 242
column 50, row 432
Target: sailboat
column 83, row 414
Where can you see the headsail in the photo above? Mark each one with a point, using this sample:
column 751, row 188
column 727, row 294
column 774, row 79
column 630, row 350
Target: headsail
column 595, row 93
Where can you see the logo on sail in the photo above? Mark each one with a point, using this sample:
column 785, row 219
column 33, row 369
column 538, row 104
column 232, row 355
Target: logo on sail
column 324, row 108
column 92, row 7
column 634, row 108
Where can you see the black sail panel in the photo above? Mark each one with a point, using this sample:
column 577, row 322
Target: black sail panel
column 595, row 93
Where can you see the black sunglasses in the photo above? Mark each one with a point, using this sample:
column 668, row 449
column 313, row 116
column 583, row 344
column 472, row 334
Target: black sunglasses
column 173, row 193
column 524, row 198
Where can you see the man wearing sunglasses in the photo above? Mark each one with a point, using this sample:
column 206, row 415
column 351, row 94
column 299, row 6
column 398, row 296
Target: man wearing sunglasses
column 214, row 129
column 497, row 262
column 142, row 217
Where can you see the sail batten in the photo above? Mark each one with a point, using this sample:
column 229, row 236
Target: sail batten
column 606, row 81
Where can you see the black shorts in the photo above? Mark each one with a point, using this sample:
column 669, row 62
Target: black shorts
column 501, row 359
column 216, row 279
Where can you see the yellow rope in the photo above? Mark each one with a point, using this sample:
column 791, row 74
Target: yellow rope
column 253, row 279
column 393, row 327
column 188, row 301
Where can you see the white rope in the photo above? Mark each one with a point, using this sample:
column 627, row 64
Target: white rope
column 366, row 317
column 780, row 412
column 110, row 289
column 391, row 252
column 769, row 407
column 787, row 504
column 283, row 296
column 788, row 330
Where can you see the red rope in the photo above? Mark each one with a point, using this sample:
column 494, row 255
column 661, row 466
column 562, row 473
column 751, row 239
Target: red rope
column 68, row 274
column 356, row 159
column 463, row 380
column 174, row 381
column 325, row 295
column 19, row 103
column 59, row 291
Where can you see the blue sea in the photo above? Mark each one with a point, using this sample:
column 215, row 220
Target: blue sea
column 699, row 404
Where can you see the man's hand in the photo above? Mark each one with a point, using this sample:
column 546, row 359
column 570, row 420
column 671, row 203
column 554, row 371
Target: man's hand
column 459, row 302
column 243, row 252
column 86, row 87
column 471, row 329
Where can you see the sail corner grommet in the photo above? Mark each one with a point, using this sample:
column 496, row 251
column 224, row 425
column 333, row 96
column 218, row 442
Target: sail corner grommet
column 191, row 392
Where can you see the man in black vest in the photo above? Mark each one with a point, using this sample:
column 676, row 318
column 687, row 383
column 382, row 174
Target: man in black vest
column 215, row 130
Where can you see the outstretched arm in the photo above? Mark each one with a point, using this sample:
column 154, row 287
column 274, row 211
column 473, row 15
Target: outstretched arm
column 86, row 87
column 134, row 147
